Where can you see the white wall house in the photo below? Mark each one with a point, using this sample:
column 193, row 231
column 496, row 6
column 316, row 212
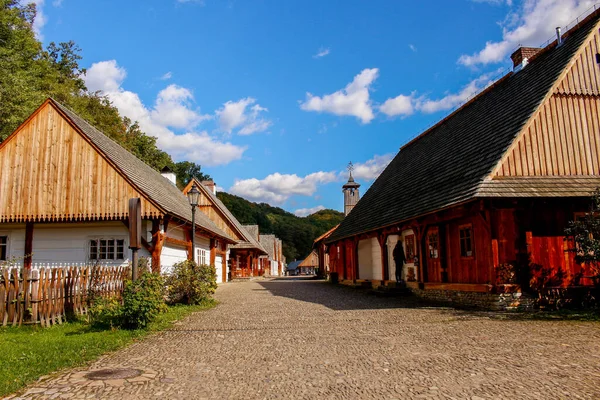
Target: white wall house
column 65, row 200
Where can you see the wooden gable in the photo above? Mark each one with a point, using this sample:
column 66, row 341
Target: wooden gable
column 207, row 206
column 49, row 171
column 563, row 136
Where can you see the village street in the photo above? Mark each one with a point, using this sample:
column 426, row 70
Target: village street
column 295, row 338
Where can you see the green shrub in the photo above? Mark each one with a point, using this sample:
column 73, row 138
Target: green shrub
column 105, row 312
column 143, row 300
column 190, row 283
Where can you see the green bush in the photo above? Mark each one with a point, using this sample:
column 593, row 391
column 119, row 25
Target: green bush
column 105, row 312
column 143, row 300
column 190, row 283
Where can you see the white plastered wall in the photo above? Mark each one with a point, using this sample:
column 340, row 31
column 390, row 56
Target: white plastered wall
column 369, row 259
column 64, row 244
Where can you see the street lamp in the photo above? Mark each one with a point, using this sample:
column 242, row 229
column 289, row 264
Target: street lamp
column 193, row 196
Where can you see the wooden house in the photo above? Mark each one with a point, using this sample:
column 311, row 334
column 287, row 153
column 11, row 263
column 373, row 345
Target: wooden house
column 64, row 191
column 241, row 259
column 323, row 256
column 309, row 265
column 492, row 186
column 274, row 260
column 245, row 256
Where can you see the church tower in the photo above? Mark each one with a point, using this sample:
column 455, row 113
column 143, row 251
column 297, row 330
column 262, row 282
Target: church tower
column 351, row 194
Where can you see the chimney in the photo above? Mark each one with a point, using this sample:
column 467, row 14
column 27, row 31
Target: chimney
column 558, row 36
column 170, row 175
column 210, row 185
column 521, row 57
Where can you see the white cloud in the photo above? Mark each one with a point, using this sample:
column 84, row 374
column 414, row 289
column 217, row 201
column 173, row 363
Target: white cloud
column 530, row 25
column 453, row 100
column 399, row 105
column 105, row 76
column 404, row 105
column 172, row 109
column 277, row 188
column 322, row 52
column 412, row 47
column 353, row 100
column 370, row 169
column 235, row 114
column 166, row 76
column 304, row 212
column 57, row 3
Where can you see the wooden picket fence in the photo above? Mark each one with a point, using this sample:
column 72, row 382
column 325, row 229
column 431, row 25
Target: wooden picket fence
column 47, row 295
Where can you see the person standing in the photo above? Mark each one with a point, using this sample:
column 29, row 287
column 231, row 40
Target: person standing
column 399, row 259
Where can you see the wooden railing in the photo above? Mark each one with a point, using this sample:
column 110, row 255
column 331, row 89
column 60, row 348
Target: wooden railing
column 47, row 295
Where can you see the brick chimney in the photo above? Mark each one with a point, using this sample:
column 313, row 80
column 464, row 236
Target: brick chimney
column 522, row 55
column 210, row 185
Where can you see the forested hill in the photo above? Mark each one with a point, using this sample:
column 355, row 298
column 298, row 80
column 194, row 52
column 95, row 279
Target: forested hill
column 296, row 233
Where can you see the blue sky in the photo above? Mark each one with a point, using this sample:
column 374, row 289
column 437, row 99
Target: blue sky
column 274, row 98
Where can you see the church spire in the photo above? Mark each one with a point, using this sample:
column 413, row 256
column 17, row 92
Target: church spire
column 350, row 189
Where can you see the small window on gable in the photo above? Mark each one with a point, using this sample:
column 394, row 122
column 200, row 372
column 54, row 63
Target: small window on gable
column 3, row 248
column 107, row 249
column 465, row 233
column 409, row 243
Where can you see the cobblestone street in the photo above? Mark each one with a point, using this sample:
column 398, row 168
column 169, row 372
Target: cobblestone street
column 305, row 339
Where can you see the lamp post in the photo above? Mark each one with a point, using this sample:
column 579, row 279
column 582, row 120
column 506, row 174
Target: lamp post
column 193, row 196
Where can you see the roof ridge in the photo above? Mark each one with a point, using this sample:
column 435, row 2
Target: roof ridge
column 533, row 58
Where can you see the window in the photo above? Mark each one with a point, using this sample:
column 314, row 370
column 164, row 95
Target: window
column 433, row 244
column 3, row 248
column 409, row 242
column 201, row 256
column 465, row 233
column 107, row 249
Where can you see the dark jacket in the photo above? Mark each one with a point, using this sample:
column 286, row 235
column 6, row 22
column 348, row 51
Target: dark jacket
column 399, row 253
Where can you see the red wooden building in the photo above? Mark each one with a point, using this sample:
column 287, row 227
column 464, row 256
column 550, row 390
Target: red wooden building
column 491, row 187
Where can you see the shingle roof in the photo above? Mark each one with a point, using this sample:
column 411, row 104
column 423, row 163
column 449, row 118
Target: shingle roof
column 251, row 242
column 150, row 182
column 268, row 242
column 447, row 164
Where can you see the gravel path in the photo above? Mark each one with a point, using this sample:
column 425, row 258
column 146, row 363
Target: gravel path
column 303, row 339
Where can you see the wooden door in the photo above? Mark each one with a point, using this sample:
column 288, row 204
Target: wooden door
column 433, row 254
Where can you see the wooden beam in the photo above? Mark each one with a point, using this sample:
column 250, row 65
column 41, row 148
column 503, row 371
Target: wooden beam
column 27, row 256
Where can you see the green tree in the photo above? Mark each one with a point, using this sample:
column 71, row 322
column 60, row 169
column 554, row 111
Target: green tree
column 186, row 170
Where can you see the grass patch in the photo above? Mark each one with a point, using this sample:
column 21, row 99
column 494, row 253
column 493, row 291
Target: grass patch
column 28, row 352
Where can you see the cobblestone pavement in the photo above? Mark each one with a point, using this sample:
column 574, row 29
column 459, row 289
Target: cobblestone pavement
column 302, row 339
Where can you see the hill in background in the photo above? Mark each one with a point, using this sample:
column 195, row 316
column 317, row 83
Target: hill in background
column 296, row 233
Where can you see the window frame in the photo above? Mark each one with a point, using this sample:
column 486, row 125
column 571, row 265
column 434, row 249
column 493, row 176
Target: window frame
column 436, row 250
column 6, row 246
column 461, row 239
column 201, row 255
column 115, row 248
column 410, row 256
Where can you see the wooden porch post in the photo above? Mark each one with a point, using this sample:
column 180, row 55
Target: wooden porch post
column 381, row 238
column 213, row 252
column 27, row 259
column 158, row 240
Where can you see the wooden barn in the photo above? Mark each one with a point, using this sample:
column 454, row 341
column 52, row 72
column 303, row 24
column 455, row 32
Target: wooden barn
column 487, row 192
column 64, row 190
column 309, row 265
